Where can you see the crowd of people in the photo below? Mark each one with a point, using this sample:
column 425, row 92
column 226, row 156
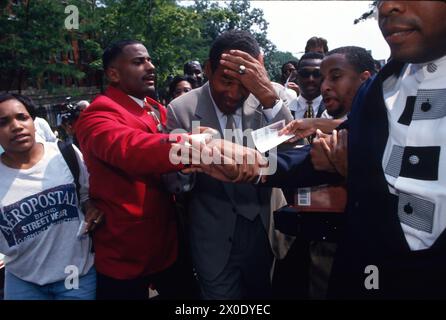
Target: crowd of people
column 108, row 214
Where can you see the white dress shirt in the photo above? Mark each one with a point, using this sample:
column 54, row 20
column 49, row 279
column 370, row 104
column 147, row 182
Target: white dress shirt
column 222, row 118
column 300, row 105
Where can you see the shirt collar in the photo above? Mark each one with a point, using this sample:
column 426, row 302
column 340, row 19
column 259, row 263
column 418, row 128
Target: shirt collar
column 219, row 113
column 428, row 70
column 303, row 102
column 138, row 101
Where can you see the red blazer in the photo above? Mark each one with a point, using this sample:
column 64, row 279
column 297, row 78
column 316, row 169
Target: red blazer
column 125, row 158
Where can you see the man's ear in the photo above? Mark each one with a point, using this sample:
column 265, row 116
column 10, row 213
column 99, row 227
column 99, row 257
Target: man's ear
column 112, row 75
column 364, row 76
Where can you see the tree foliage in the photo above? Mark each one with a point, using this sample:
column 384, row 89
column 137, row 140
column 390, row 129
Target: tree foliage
column 36, row 48
column 368, row 14
column 33, row 41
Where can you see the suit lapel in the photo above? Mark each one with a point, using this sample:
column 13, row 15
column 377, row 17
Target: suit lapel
column 205, row 111
column 252, row 116
column 321, row 109
column 373, row 112
column 378, row 112
column 132, row 107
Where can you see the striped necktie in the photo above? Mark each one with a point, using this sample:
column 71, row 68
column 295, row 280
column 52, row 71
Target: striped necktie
column 309, row 113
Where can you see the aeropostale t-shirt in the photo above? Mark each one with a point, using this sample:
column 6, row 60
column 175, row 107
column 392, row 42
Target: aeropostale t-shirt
column 40, row 219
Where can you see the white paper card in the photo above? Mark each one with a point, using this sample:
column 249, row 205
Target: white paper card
column 268, row 137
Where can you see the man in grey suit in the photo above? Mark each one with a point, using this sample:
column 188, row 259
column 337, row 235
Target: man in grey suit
column 229, row 222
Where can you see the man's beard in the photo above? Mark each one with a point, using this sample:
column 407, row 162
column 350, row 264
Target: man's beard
column 337, row 113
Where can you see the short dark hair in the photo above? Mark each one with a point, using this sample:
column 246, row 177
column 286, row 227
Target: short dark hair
column 233, row 39
column 188, row 66
column 178, row 79
column 293, row 62
column 316, row 42
column 26, row 101
column 310, row 56
column 358, row 57
column 114, row 50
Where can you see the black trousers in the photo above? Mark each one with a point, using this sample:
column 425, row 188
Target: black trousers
column 174, row 283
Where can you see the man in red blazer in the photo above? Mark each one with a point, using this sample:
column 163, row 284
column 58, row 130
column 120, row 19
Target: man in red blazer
column 121, row 137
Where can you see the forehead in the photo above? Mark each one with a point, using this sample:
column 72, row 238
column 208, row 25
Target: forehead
column 12, row 106
column 318, row 49
column 183, row 83
column 310, row 63
column 195, row 66
column 335, row 61
column 289, row 66
column 133, row 51
column 219, row 76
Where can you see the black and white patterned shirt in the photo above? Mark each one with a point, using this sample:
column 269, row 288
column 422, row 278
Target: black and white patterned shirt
column 414, row 160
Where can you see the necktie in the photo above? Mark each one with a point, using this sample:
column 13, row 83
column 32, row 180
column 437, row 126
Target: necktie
column 230, row 128
column 244, row 195
column 309, row 113
column 149, row 109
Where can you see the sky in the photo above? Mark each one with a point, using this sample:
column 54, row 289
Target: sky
column 292, row 23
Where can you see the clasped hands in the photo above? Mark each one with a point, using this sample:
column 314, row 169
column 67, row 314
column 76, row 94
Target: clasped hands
column 218, row 158
column 329, row 152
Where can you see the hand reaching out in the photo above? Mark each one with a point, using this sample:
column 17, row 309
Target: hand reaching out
column 230, row 162
column 294, row 86
column 319, row 158
column 335, row 148
column 300, row 128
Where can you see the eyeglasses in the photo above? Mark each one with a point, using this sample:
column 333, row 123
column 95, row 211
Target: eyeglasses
column 316, row 73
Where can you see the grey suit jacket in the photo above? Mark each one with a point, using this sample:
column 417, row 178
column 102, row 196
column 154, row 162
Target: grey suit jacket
column 214, row 205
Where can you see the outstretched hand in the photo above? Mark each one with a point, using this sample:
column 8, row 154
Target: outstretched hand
column 230, row 162
column 300, row 128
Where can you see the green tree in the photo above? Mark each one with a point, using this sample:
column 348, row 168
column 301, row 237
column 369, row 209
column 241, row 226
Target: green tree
column 37, row 50
column 34, row 44
column 237, row 14
column 368, row 14
column 274, row 62
column 164, row 27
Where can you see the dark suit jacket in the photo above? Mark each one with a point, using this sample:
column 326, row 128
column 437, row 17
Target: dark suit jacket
column 372, row 233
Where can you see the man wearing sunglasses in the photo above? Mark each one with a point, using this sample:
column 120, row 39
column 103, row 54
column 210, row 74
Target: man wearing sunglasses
column 309, row 103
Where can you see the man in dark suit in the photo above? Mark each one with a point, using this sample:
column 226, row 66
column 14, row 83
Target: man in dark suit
column 229, row 223
column 121, row 138
column 393, row 244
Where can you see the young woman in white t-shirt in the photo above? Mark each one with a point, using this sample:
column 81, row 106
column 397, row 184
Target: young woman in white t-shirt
column 42, row 230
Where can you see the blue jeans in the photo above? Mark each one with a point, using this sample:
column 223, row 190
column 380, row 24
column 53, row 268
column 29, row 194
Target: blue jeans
column 18, row 289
